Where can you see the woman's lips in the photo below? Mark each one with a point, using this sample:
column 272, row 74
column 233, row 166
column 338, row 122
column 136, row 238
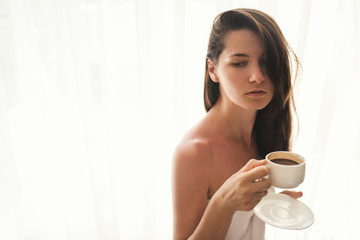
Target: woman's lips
column 256, row 93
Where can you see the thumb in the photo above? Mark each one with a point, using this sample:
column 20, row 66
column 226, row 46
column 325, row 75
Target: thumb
column 252, row 163
column 293, row 194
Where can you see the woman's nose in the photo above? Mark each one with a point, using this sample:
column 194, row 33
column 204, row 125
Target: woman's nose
column 257, row 75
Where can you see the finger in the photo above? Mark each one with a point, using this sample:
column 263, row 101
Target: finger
column 293, row 194
column 256, row 173
column 262, row 185
column 252, row 163
column 259, row 195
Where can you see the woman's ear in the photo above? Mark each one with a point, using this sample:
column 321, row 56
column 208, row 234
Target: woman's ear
column 212, row 70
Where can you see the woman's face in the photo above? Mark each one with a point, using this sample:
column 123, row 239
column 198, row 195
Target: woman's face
column 240, row 71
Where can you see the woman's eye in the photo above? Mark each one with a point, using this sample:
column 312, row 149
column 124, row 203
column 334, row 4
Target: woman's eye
column 262, row 63
column 239, row 64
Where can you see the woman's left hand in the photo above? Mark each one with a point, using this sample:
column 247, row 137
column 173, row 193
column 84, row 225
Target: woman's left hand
column 293, row 194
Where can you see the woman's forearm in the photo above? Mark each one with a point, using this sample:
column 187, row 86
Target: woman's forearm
column 215, row 222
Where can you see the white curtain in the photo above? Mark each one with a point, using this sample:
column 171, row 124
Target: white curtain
column 95, row 95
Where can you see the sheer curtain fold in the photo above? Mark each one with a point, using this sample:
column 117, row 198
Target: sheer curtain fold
column 95, row 94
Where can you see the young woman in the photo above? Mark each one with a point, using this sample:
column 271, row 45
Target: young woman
column 217, row 180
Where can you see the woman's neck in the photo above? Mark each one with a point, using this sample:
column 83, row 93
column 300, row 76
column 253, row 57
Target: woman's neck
column 234, row 122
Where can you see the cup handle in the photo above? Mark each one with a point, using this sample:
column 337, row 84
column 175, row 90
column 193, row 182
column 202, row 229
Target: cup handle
column 268, row 167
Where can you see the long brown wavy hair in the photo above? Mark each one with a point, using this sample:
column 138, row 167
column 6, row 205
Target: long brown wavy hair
column 273, row 124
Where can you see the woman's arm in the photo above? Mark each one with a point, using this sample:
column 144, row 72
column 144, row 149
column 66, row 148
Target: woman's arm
column 195, row 217
column 190, row 184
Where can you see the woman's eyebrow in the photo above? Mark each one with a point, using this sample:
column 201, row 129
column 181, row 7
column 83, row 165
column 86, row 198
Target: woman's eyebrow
column 239, row 55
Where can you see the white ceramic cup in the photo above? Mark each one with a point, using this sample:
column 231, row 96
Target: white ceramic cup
column 285, row 176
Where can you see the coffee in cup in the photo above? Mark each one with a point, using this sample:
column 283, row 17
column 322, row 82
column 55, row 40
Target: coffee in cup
column 286, row 169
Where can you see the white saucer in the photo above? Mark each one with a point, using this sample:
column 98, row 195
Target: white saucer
column 281, row 210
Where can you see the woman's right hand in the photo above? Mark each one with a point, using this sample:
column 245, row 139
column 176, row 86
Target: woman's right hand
column 244, row 189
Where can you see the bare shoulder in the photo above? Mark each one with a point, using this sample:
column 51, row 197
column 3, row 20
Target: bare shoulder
column 193, row 151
